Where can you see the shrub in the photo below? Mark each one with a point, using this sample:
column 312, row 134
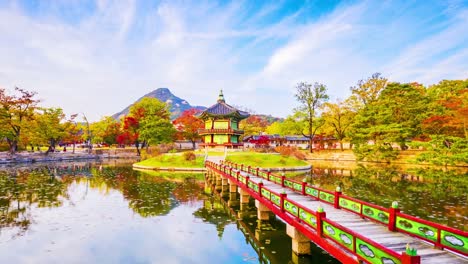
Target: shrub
column 189, row 155
column 288, row 151
column 299, row 155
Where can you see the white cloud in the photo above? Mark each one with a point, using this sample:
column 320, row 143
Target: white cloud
column 114, row 54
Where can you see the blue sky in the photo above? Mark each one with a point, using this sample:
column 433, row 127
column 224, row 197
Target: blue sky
column 96, row 57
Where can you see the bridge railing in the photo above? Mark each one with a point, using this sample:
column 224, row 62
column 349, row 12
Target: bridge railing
column 441, row 236
column 363, row 248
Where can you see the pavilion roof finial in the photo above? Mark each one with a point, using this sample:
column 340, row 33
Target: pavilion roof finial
column 221, row 97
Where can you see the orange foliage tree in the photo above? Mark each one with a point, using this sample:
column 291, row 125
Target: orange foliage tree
column 187, row 126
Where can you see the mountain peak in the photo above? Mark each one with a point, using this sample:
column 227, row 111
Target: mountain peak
column 177, row 105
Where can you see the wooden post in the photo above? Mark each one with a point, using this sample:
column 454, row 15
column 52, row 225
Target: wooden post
column 407, row 259
column 282, row 179
column 282, row 197
column 320, row 216
column 237, row 176
column 260, row 186
column 268, row 175
column 337, row 197
column 392, row 217
column 257, row 170
column 304, row 184
column 247, row 181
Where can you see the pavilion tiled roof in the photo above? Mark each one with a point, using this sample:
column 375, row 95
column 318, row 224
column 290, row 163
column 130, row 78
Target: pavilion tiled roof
column 222, row 109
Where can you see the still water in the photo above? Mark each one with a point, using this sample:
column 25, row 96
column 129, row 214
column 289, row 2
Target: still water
column 109, row 213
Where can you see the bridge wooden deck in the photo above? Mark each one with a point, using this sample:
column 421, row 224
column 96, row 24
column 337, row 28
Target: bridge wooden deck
column 358, row 238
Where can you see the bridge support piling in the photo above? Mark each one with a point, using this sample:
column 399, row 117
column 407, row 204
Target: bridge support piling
column 244, row 196
column 263, row 213
column 300, row 243
column 232, row 186
column 233, row 199
column 224, row 183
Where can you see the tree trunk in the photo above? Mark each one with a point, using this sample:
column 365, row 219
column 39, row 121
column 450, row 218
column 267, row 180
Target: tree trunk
column 341, row 145
column 137, row 145
column 311, row 141
column 193, row 144
column 73, row 151
column 13, row 146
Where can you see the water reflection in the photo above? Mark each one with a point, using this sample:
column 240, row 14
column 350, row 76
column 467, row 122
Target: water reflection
column 432, row 193
column 78, row 213
column 267, row 237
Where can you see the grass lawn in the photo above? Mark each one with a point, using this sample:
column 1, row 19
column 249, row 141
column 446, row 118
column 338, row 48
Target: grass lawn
column 264, row 160
column 172, row 161
column 210, row 153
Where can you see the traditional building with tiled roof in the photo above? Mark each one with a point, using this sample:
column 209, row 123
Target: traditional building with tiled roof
column 222, row 125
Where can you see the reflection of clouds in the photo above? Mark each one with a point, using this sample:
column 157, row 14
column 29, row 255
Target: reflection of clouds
column 99, row 228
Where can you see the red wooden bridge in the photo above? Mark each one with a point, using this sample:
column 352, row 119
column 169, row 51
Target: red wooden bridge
column 351, row 230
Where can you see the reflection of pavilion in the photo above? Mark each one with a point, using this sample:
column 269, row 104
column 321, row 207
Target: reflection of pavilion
column 213, row 212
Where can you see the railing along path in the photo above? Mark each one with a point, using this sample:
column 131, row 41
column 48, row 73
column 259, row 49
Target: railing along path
column 350, row 229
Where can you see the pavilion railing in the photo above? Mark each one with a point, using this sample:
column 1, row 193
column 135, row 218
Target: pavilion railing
column 204, row 131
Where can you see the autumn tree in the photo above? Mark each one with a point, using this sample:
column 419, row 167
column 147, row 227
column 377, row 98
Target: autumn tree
column 187, row 126
column 311, row 97
column 129, row 133
column 253, row 125
column 339, row 117
column 105, row 130
column 149, row 123
column 50, row 127
column 368, row 91
column 73, row 131
column 15, row 111
column 448, row 109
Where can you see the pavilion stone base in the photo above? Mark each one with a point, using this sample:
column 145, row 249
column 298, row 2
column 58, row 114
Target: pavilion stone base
column 222, row 148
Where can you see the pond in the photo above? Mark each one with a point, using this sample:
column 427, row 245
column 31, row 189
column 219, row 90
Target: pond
column 100, row 213
column 110, row 213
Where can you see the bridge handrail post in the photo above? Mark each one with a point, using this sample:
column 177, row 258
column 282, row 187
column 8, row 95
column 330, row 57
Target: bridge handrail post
column 282, row 179
column 237, row 175
column 304, row 185
column 320, row 216
column 257, row 170
column 408, row 259
column 248, row 169
column 268, row 174
column 394, row 210
column 338, row 193
column 242, row 167
column 247, row 178
column 230, row 171
column 283, row 196
column 260, row 186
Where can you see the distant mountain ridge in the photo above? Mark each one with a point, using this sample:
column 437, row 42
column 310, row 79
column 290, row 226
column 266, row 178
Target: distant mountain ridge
column 177, row 104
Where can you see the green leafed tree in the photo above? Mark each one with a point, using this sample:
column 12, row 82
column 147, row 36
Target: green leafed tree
column 311, row 97
column 444, row 150
column 395, row 116
column 154, row 125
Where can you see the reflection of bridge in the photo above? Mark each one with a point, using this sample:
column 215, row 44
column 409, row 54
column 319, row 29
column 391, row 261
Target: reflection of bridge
column 351, row 230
